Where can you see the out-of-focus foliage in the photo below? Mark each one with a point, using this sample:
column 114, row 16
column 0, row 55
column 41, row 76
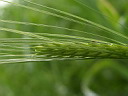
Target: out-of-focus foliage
column 67, row 77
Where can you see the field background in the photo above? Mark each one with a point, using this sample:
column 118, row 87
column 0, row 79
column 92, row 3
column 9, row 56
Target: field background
column 89, row 77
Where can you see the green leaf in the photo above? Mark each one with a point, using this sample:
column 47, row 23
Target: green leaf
column 109, row 11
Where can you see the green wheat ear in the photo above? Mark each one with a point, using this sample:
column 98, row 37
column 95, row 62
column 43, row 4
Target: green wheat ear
column 64, row 49
column 78, row 50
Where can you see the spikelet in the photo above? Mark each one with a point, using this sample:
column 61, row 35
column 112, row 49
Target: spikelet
column 68, row 49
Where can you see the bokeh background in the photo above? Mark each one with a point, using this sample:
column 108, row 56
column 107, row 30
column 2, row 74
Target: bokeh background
column 95, row 77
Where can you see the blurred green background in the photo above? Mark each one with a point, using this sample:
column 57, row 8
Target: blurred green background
column 96, row 77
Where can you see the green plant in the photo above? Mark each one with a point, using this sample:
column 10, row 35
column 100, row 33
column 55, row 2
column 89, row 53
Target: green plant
column 78, row 50
column 66, row 37
column 91, row 50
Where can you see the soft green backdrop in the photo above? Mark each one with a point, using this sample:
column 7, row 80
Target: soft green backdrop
column 67, row 77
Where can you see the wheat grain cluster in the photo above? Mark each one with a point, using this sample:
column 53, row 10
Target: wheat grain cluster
column 68, row 49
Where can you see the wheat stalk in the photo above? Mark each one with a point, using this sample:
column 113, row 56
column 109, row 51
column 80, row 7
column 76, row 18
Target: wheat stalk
column 47, row 47
column 70, row 49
